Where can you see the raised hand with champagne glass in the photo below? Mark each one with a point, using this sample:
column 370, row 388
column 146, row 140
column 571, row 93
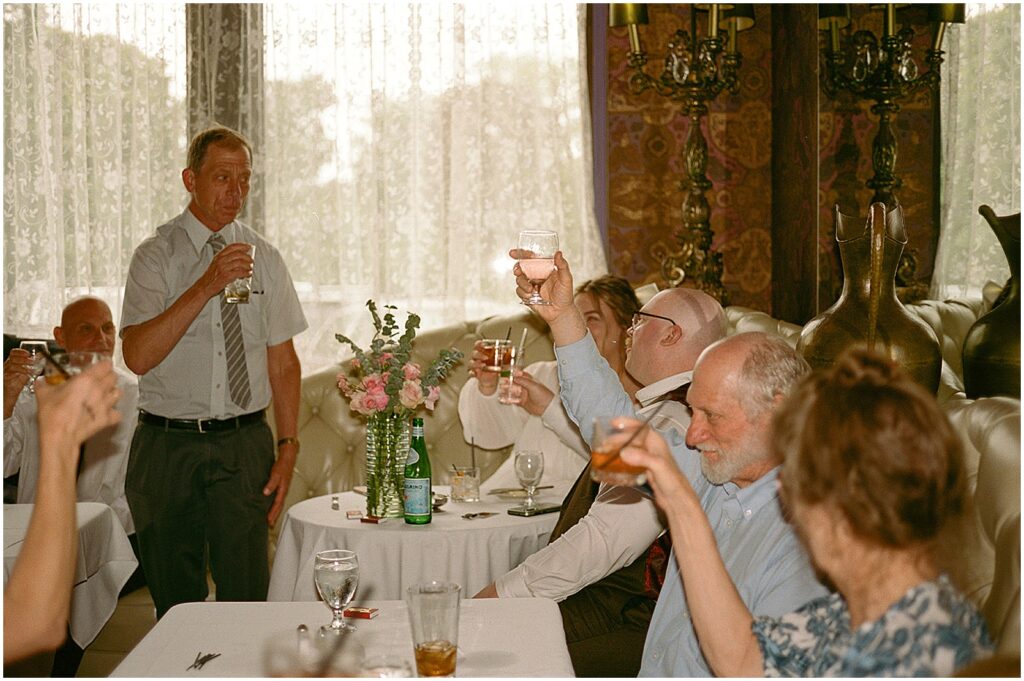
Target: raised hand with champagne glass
column 536, row 254
column 19, row 371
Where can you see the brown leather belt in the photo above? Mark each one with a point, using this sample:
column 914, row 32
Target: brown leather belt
column 201, row 425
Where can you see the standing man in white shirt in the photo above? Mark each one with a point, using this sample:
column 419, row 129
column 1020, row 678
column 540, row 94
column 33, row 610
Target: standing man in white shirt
column 205, row 480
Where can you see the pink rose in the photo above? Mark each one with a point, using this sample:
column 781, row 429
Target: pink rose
column 411, row 371
column 411, row 395
column 377, row 399
column 358, row 403
column 354, row 364
column 344, row 386
column 384, row 358
column 432, row 396
column 374, row 382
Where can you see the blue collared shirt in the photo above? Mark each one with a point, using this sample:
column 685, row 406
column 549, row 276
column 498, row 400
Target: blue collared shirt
column 761, row 552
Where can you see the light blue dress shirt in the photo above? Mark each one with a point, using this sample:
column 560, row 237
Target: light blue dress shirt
column 761, row 552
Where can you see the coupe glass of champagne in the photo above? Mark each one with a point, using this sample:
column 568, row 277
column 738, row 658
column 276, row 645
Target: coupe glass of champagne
column 37, row 350
column 529, row 469
column 537, row 250
column 336, row 573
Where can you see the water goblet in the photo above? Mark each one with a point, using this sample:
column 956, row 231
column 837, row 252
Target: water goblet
column 529, row 466
column 336, row 574
column 37, row 350
column 537, row 250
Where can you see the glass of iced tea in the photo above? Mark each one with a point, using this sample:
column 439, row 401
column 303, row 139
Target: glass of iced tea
column 72, row 363
column 434, row 619
column 610, row 434
column 497, row 353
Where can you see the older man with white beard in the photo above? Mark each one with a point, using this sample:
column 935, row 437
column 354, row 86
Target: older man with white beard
column 737, row 383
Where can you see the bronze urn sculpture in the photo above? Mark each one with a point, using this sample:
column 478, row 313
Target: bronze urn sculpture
column 868, row 312
column 992, row 347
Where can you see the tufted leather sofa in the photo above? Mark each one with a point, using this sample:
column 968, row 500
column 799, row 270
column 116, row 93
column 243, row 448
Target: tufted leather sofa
column 987, row 557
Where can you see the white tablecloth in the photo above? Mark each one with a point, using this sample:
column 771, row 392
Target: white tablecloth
column 497, row 637
column 105, row 562
column 394, row 555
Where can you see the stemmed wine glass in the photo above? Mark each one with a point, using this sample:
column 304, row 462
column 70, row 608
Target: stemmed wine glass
column 537, row 250
column 336, row 573
column 529, row 469
column 37, row 350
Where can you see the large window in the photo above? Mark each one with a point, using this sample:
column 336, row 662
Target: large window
column 403, row 147
column 981, row 147
column 94, row 137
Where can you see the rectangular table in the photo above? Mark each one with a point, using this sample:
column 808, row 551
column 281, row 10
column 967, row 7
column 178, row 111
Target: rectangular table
column 519, row 637
column 105, row 562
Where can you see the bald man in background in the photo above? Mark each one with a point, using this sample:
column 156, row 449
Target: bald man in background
column 86, row 325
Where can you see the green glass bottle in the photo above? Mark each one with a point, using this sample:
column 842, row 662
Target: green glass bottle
column 418, row 507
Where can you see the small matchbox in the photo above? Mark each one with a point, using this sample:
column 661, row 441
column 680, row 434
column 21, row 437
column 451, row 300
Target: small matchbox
column 372, row 519
column 360, row 613
column 352, row 515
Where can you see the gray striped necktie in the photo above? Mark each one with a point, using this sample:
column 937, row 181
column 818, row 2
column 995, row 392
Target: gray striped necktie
column 234, row 346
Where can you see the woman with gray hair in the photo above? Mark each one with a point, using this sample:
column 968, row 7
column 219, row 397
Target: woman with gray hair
column 872, row 476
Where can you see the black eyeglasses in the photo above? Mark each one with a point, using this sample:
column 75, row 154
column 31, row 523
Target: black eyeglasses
column 638, row 315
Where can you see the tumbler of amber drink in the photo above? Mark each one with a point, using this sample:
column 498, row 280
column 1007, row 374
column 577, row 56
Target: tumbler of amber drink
column 497, row 353
column 434, row 620
column 610, row 434
column 72, row 363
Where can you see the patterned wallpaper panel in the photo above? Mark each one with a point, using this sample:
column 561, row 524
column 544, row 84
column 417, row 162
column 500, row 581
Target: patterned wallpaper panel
column 646, row 136
column 848, row 129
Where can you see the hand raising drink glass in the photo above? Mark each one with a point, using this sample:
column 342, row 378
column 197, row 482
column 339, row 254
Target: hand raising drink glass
column 336, row 574
column 68, row 364
column 497, row 354
column 537, row 250
column 37, row 351
column 610, row 434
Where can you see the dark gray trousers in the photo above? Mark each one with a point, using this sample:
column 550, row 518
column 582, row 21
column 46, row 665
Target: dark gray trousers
column 194, row 495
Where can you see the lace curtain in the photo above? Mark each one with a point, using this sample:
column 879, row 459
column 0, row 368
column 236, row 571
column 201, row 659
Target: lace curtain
column 406, row 147
column 94, row 136
column 981, row 147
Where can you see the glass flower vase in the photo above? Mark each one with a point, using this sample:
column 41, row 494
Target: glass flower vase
column 387, row 449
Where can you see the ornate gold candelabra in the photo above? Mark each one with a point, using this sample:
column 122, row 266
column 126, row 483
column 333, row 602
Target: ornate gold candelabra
column 881, row 70
column 696, row 70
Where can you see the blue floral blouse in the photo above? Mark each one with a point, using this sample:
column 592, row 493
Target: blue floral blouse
column 932, row 631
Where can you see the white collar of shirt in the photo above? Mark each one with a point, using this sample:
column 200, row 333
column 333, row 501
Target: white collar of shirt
column 651, row 392
column 197, row 232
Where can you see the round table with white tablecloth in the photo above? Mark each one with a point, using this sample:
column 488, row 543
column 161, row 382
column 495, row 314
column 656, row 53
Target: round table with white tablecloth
column 394, row 555
column 105, row 562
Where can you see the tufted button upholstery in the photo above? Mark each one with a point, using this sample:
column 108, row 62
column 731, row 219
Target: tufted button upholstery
column 986, row 551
